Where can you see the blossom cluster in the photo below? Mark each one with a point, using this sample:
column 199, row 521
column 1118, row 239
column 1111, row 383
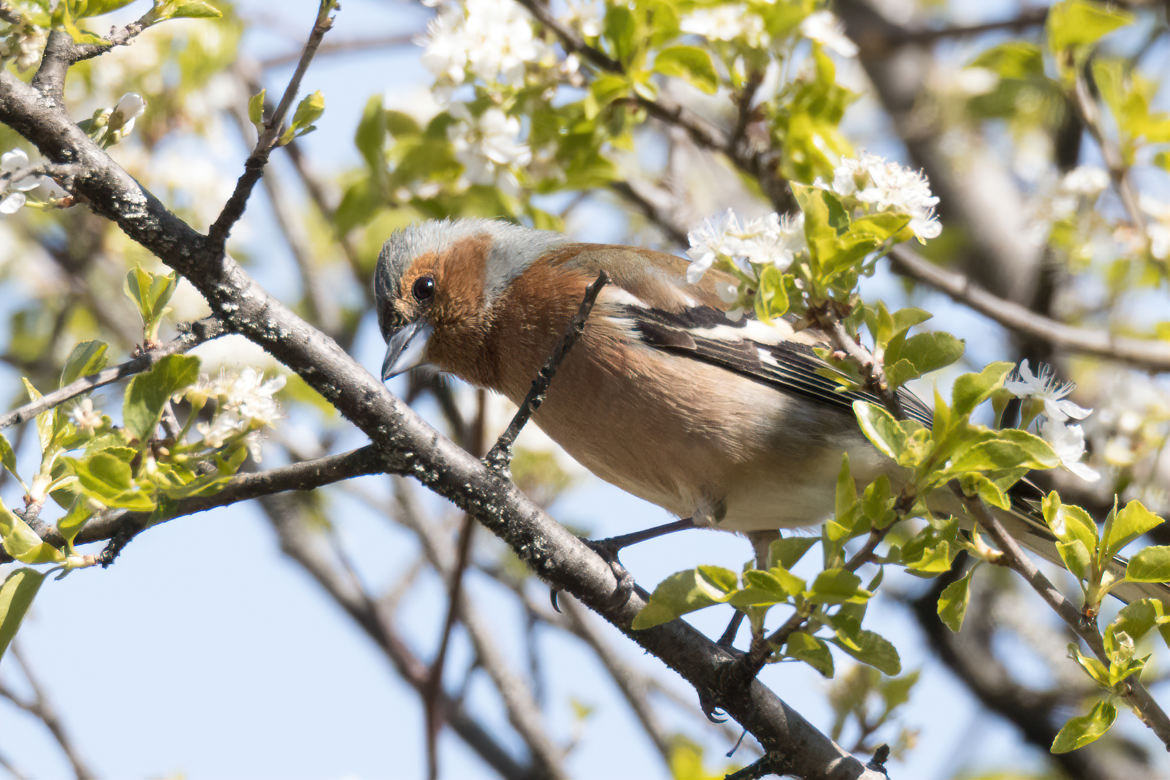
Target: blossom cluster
column 16, row 181
column 880, row 185
column 1058, row 425
column 745, row 245
column 245, row 404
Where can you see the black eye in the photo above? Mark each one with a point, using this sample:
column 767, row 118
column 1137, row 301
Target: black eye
column 423, row 289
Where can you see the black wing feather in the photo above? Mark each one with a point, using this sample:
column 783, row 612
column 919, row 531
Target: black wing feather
column 793, row 368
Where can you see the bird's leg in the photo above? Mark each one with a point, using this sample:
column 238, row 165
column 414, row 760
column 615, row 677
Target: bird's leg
column 760, row 540
column 609, row 548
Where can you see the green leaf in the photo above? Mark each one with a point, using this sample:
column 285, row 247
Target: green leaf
column 308, row 111
column 74, row 520
column 150, row 292
column 22, row 543
column 787, row 550
column 106, row 477
column 813, row 651
column 1130, row 523
column 1009, row 448
column 952, row 603
column 16, row 596
column 8, row 456
column 910, row 358
column 870, row 648
column 370, row 136
column 1151, row 564
column 690, row 63
column 686, row 591
column 765, row 588
column 1079, row 23
column 970, row 390
column 195, row 9
column 147, row 394
column 99, row 7
column 880, row 427
column 837, row 586
column 44, row 419
column 620, row 31
column 87, row 358
column 256, row 108
column 1083, row 729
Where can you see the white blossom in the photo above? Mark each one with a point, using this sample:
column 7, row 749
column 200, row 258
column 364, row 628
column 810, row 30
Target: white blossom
column 587, row 17
column 1044, row 386
column 732, row 22
column 10, row 163
column 488, row 146
column 826, row 29
column 246, row 403
column 887, row 186
column 84, row 417
column 769, row 240
column 1068, row 441
column 128, row 108
column 492, row 40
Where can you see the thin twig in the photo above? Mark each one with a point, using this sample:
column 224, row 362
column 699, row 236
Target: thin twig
column 273, row 127
column 702, row 132
column 1136, row 695
column 41, row 708
column 351, row 46
column 193, row 335
column 121, row 527
column 1090, row 113
column 1143, row 353
column 500, row 454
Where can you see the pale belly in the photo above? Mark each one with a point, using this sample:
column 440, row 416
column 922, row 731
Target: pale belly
column 751, row 459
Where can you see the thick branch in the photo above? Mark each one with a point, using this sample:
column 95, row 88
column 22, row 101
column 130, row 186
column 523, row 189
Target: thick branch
column 406, row 442
column 1143, row 353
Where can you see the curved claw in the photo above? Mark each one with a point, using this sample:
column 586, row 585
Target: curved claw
column 712, row 710
column 553, row 593
column 625, row 580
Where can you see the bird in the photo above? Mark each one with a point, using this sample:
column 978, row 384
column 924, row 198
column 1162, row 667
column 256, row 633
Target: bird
column 727, row 422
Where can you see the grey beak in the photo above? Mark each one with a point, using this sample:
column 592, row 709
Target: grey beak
column 405, row 348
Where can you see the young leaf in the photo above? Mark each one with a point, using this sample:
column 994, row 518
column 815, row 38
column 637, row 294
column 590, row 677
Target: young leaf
column 837, row 586
column 147, row 394
column 16, row 596
column 1130, row 523
column 684, row 592
column 880, row 427
column 87, row 358
column 810, row 649
column 952, row 603
column 256, row 109
column 870, row 648
column 1149, row 565
column 1081, row 22
column 22, row 543
column 690, row 63
column 1083, row 729
column 970, row 390
column 308, row 111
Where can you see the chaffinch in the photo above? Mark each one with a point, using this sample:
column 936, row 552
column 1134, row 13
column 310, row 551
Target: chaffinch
column 723, row 421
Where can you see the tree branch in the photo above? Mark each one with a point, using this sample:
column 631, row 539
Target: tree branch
column 501, row 452
column 192, row 335
column 273, row 127
column 405, row 442
column 1143, row 353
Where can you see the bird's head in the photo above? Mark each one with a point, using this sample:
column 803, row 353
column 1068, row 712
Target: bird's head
column 442, row 277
